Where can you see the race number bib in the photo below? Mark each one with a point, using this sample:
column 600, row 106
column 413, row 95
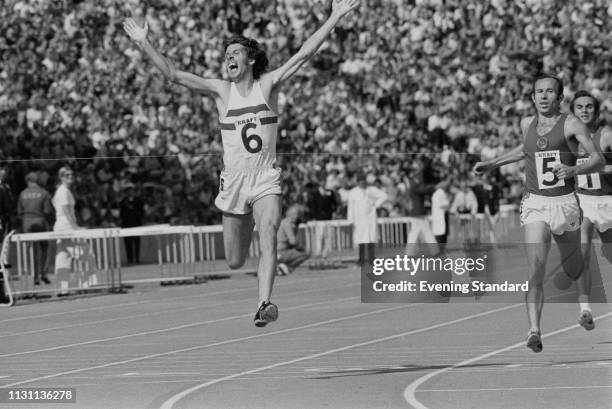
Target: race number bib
column 590, row 181
column 545, row 163
column 249, row 133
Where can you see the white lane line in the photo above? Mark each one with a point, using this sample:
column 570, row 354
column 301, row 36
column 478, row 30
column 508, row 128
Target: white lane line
column 517, row 389
column 159, row 300
column 166, row 311
column 133, row 381
column 200, row 347
column 146, row 374
column 409, row 392
column 168, row 404
column 52, row 314
column 159, row 331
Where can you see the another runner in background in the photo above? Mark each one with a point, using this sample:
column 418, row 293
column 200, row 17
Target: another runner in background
column 595, row 194
column 549, row 208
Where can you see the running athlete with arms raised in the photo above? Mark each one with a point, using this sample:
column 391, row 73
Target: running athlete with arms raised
column 595, row 194
column 249, row 191
column 550, row 205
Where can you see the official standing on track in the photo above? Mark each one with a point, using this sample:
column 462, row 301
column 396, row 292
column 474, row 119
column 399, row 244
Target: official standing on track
column 35, row 211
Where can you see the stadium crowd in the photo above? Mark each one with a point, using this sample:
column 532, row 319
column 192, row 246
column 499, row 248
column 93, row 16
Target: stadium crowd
column 409, row 90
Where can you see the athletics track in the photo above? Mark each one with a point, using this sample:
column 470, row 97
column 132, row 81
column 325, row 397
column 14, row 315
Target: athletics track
column 195, row 346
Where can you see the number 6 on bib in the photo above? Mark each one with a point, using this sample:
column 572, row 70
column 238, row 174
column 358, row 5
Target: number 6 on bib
column 252, row 143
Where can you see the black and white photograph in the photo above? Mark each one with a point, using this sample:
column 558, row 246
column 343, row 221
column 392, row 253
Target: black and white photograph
column 305, row 204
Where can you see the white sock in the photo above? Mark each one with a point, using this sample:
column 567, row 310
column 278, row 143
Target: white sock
column 584, row 306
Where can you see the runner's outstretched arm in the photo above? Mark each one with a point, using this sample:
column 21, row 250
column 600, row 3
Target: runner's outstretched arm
column 139, row 36
column 511, row 156
column 339, row 9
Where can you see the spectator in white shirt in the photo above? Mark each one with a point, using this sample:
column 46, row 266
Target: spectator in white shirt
column 440, row 203
column 363, row 201
column 67, row 250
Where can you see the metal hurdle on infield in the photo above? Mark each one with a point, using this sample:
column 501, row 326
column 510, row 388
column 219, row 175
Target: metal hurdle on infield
column 206, row 251
column 206, row 246
column 193, row 253
column 393, row 231
column 101, row 244
column 336, row 233
column 176, row 252
column 477, row 227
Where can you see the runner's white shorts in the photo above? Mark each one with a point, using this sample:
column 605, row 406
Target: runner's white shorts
column 240, row 188
column 598, row 209
column 560, row 213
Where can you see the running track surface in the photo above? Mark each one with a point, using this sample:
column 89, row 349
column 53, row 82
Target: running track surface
column 196, row 347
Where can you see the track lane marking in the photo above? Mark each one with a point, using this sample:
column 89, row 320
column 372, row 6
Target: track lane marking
column 159, row 331
column 409, row 392
column 199, row 347
column 168, row 311
column 154, row 300
column 169, row 403
column 52, row 314
column 517, row 389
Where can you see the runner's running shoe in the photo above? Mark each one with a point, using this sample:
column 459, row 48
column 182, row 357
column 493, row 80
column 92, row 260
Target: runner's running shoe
column 586, row 320
column 534, row 341
column 266, row 313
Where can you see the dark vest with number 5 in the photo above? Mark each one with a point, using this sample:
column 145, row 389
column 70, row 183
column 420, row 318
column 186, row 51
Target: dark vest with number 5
column 542, row 154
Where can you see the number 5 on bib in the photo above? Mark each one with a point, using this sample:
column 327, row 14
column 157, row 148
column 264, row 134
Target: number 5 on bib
column 545, row 163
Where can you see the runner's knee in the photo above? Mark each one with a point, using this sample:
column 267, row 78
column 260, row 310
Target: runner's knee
column 573, row 263
column 537, row 269
column 235, row 261
column 235, row 264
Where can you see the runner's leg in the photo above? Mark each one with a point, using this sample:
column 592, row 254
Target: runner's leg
column 237, row 235
column 267, row 215
column 537, row 243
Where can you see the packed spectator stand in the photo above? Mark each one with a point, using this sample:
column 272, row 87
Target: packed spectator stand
column 404, row 89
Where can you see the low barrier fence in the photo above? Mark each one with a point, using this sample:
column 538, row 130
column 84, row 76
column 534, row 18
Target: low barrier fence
column 185, row 252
